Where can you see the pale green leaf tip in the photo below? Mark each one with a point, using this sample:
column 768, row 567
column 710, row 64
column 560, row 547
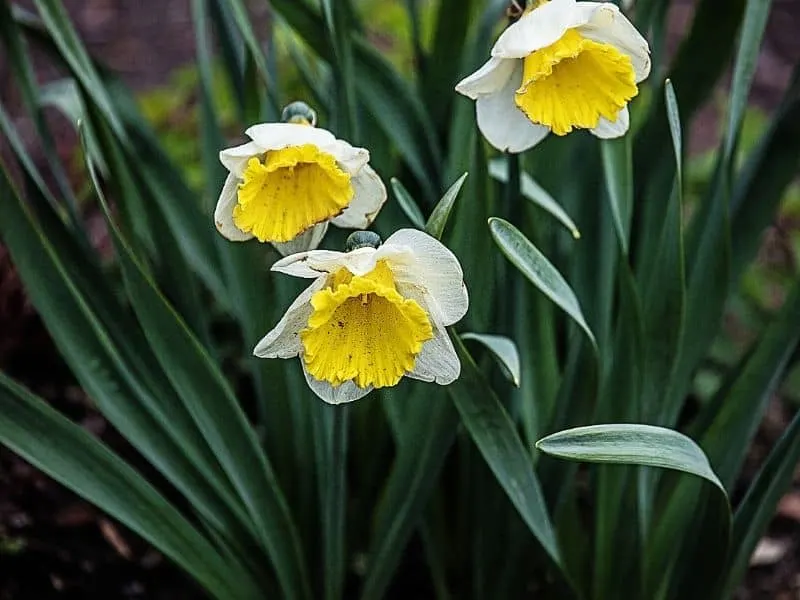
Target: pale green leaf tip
column 576, row 234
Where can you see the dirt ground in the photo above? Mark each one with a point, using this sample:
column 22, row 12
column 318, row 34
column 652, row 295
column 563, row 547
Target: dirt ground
column 54, row 545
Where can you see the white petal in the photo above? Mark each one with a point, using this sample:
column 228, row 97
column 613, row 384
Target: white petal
column 607, row 129
column 502, row 123
column 438, row 361
column 223, row 213
column 490, row 78
column 369, row 196
column 603, row 22
column 350, row 158
column 235, row 159
column 308, row 240
column 347, row 392
column 431, row 268
column 274, row 136
column 320, row 262
column 284, row 339
column 537, row 29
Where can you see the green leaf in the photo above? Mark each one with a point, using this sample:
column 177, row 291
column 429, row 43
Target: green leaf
column 647, row 445
column 68, row 454
column 503, row 350
column 539, row 271
column 111, row 360
column 674, row 120
column 769, row 169
column 212, row 405
column 398, row 110
column 498, row 169
column 407, row 204
column 424, row 439
column 743, row 400
column 440, row 69
column 56, row 19
column 495, row 435
column 752, row 32
column 630, row 444
column 25, row 76
column 438, row 219
column 664, row 296
column 757, row 508
column 245, row 24
column 701, row 59
column 330, row 443
column 395, row 105
column 619, row 185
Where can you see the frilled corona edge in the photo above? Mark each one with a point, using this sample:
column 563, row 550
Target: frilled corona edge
column 372, row 316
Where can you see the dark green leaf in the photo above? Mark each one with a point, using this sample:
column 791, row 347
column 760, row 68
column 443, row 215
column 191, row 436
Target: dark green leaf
column 212, row 405
column 72, row 457
column 408, row 204
column 539, row 271
column 498, row 169
column 438, row 219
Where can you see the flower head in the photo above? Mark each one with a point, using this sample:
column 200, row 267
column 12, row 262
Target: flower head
column 372, row 316
column 291, row 180
column 564, row 65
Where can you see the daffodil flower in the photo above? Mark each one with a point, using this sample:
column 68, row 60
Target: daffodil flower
column 290, row 181
column 563, row 65
column 372, row 315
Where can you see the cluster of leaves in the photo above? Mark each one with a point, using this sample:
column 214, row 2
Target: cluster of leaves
column 627, row 299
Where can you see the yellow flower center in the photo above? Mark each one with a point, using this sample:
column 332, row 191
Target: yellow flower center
column 291, row 190
column 363, row 329
column 575, row 81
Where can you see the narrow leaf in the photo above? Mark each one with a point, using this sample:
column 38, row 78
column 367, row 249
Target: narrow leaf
column 618, row 171
column 68, row 454
column 630, row 444
column 496, row 437
column 212, row 405
column 438, row 219
column 539, row 271
column 498, row 169
column 407, row 203
column 504, row 351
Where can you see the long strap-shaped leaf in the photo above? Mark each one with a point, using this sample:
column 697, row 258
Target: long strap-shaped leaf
column 758, row 506
column 432, row 430
column 495, row 435
column 71, row 456
column 211, row 403
column 111, row 360
column 646, row 445
column 71, row 49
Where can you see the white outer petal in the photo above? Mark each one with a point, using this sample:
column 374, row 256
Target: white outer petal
column 432, row 268
column 307, row 240
column 223, row 213
column 607, row 130
column 368, row 198
column 437, row 361
column 490, row 78
column 347, row 392
column 284, row 339
column 319, row 262
column 603, row 22
column 536, row 29
column 350, row 158
column 502, row 123
column 235, row 159
column 274, row 136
